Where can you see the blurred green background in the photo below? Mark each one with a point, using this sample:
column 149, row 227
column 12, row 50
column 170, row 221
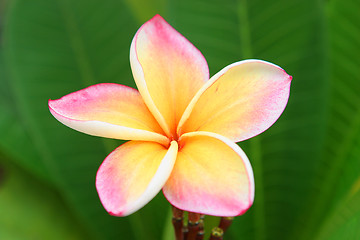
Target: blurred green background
column 306, row 166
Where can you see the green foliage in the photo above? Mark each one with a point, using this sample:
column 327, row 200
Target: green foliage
column 30, row 209
column 306, row 166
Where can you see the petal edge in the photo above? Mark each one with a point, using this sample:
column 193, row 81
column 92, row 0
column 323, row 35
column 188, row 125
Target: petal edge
column 108, row 110
column 246, row 98
column 163, row 61
column 123, row 191
column 212, row 176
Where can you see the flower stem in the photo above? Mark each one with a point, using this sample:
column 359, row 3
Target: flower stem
column 193, row 225
column 201, row 233
column 177, row 221
column 185, row 232
column 217, row 234
column 194, row 229
column 225, row 223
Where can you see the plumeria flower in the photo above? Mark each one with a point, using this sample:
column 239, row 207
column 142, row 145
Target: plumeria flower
column 182, row 125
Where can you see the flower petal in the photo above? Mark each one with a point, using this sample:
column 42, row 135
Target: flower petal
column 108, row 110
column 168, row 71
column 212, row 176
column 133, row 174
column 239, row 102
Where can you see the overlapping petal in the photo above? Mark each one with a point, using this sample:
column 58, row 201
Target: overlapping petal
column 212, row 175
column 108, row 110
column 183, row 126
column 133, row 174
column 167, row 69
column 239, row 102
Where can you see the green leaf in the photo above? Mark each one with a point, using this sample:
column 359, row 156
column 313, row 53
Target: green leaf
column 15, row 140
column 144, row 9
column 338, row 171
column 168, row 230
column 284, row 158
column 306, row 165
column 52, row 48
column 344, row 220
column 32, row 210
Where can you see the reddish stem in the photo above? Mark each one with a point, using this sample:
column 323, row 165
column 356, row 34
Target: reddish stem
column 217, row 234
column 185, row 232
column 177, row 221
column 201, row 232
column 225, row 223
column 194, row 229
column 177, row 213
column 193, row 225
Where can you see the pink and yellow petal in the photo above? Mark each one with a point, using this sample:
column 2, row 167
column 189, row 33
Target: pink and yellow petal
column 212, row 176
column 168, row 71
column 108, row 110
column 239, row 102
column 133, row 174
